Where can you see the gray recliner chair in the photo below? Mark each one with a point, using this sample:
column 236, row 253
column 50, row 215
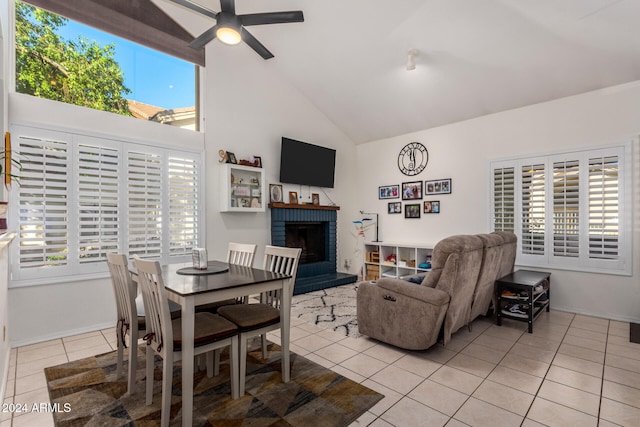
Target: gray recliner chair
column 411, row 316
column 491, row 261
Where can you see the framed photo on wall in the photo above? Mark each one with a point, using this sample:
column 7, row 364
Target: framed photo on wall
column 389, row 192
column 293, row 198
column 412, row 211
column 432, row 206
column 394, row 207
column 438, row 186
column 412, row 190
column 315, row 198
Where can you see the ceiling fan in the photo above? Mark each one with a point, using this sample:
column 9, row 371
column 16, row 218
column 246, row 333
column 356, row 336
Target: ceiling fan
column 229, row 27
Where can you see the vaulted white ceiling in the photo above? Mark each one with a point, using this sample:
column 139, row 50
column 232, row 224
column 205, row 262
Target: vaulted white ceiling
column 476, row 57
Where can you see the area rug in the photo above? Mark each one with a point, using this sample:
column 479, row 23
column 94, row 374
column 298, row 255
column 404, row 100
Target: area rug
column 87, row 393
column 331, row 308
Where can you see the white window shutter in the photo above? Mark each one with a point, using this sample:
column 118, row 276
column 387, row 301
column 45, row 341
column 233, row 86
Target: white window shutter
column 43, row 235
column 503, row 199
column 604, row 213
column 144, row 173
column 566, row 208
column 98, row 196
column 532, row 218
column 184, row 205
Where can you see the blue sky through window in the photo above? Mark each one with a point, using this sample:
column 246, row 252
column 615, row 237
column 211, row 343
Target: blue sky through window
column 153, row 77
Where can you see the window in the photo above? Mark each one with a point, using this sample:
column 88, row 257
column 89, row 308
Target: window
column 81, row 196
column 569, row 210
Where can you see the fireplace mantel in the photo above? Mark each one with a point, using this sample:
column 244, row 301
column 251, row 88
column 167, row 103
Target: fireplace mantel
column 303, row 206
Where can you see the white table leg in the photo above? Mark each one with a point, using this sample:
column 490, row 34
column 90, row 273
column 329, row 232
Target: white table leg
column 188, row 320
column 284, row 333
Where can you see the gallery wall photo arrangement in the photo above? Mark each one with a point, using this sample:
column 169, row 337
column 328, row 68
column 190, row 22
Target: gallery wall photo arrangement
column 389, row 192
column 437, row 186
column 412, row 190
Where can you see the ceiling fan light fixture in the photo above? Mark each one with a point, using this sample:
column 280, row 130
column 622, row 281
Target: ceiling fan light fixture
column 228, row 31
column 228, row 35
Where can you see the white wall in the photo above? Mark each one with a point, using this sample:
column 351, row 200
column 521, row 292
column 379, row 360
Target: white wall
column 249, row 107
column 462, row 151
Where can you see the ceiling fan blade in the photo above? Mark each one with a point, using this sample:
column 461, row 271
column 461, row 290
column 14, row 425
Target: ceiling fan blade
column 228, row 6
column 204, row 38
column 271, row 18
column 196, row 8
column 256, row 45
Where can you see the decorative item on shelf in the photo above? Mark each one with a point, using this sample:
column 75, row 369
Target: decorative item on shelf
column 369, row 219
column 438, row 186
column 252, row 161
column 255, row 203
column 255, row 192
column 231, row 158
column 275, row 192
column 412, row 190
column 245, row 203
column 199, row 258
column 293, row 198
column 315, row 199
column 254, row 181
column 223, row 156
column 388, row 192
column 392, row 258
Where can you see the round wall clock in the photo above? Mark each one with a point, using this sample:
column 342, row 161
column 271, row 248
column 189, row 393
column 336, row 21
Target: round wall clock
column 413, row 158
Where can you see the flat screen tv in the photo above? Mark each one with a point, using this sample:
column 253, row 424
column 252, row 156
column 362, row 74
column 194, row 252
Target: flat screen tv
column 306, row 164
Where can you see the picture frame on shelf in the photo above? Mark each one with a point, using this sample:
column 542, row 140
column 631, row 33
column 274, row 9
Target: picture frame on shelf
column 315, row 199
column 394, row 207
column 388, row 192
column 275, row 193
column 437, row 186
column 257, row 160
column 412, row 190
column 231, row 158
column 412, row 211
column 432, row 206
column 293, row 198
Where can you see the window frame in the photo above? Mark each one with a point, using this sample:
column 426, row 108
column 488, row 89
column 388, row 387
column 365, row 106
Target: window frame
column 584, row 262
column 74, row 269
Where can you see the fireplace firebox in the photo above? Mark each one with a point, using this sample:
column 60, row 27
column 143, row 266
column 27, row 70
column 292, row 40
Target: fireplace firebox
column 311, row 237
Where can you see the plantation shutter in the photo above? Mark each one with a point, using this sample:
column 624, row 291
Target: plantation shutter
column 604, row 208
column 98, row 174
column 533, row 209
column 145, row 204
column 503, row 199
column 566, row 208
column 184, row 205
column 43, row 235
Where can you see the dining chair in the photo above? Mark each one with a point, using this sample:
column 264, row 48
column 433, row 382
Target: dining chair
column 237, row 254
column 259, row 318
column 164, row 336
column 125, row 291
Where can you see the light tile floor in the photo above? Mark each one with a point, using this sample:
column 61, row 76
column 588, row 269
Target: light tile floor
column 574, row 370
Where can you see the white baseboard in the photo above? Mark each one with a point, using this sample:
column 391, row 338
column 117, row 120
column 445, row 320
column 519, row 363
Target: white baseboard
column 61, row 334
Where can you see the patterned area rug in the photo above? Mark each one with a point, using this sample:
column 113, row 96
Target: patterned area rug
column 331, row 308
column 315, row 396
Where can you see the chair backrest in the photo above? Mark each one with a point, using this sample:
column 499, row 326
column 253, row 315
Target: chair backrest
column 125, row 291
column 455, row 265
column 509, row 249
column 156, row 306
column 491, row 259
column 241, row 254
column 282, row 260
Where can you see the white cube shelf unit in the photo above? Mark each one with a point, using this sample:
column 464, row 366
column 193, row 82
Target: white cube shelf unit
column 242, row 188
column 408, row 258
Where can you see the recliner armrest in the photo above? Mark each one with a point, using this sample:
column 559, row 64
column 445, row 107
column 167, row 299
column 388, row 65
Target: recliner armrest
column 411, row 290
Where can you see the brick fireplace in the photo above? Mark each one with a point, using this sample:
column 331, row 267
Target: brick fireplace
column 312, row 228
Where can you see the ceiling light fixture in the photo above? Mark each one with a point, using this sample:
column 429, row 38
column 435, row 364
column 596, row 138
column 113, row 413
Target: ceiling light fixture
column 228, row 29
column 411, row 61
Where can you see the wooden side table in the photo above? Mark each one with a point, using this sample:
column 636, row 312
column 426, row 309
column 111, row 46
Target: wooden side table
column 523, row 295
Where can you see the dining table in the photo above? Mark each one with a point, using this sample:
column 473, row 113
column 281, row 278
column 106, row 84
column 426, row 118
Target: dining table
column 190, row 287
